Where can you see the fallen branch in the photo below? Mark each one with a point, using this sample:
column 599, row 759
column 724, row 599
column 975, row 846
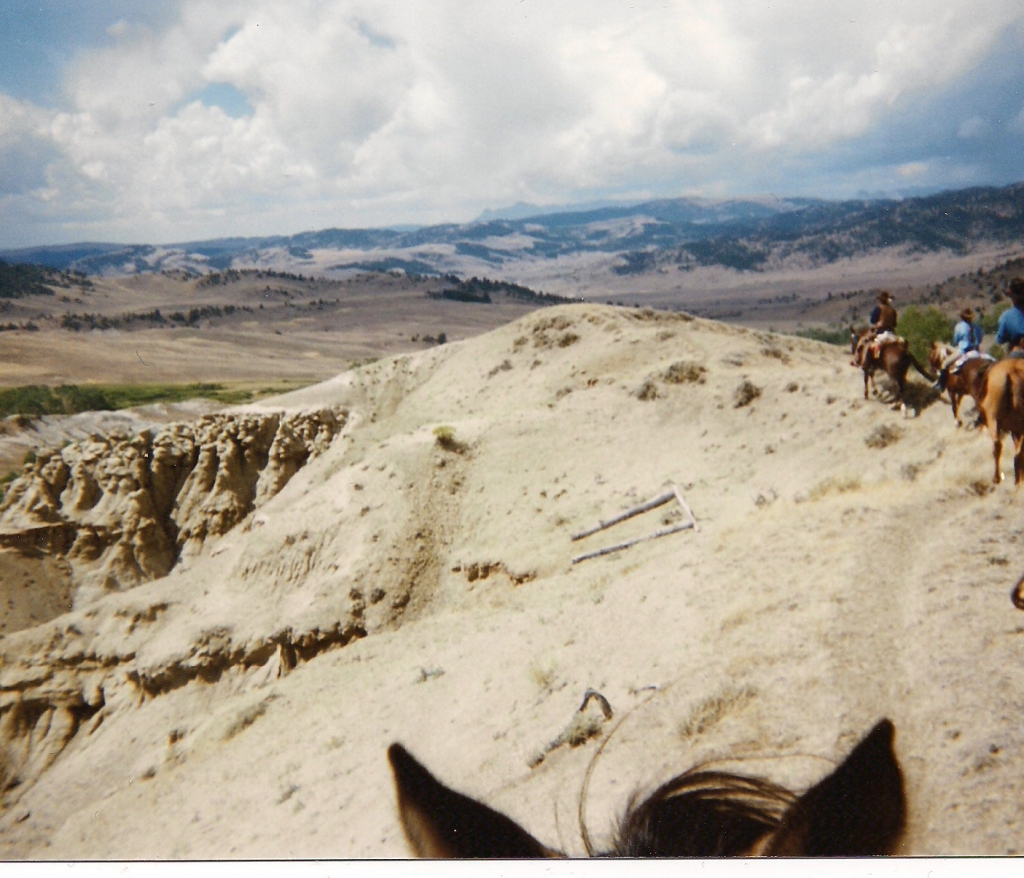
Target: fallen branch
column 661, row 533
column 660, row 500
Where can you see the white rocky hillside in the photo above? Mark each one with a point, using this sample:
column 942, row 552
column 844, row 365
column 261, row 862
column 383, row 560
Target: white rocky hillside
column 413, row 580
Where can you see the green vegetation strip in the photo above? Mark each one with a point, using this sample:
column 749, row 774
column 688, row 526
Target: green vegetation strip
column 837, row 336
column 69, row 399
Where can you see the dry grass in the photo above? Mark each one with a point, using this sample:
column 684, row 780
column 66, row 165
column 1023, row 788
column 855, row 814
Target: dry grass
column 708, row 713
column 647, row 391
column 543, row 674
column 745, row 394
column 445, row 438
column 834, row 485
column 883, row 436
column 684, row 372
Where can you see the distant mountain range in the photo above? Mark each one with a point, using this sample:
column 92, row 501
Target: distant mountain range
column 746, row 235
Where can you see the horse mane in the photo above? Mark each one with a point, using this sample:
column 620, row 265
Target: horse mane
column 701, row 813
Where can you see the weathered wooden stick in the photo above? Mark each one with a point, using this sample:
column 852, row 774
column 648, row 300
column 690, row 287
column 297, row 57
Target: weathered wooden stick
column 661, row 533
column 660, row 500
column 686, row 506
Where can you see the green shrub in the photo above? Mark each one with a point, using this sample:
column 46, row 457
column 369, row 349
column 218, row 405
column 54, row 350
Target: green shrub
column 921, row 326
column 989, row 321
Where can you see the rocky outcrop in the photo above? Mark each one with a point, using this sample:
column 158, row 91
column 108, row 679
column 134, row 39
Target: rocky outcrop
column 125, row 509
column 46, row 700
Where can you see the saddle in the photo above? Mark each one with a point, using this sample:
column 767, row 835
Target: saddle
column 969, row 355
column 882, row 338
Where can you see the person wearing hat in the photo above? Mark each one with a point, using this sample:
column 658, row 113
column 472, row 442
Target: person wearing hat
column 967, row 336
column 1010, row 332
column 883, row 319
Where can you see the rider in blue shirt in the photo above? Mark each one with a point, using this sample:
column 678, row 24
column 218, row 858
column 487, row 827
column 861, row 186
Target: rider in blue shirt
column 967, row 336
column 1011, row 324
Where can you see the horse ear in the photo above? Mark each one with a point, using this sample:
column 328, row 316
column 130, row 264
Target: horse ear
column 858, row 810
column 441, row 823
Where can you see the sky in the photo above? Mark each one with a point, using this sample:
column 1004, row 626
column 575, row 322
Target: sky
column 160, row 121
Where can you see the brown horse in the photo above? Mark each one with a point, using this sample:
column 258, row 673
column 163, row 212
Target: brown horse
column 857, row 810
column 1002, row 410
column 889, row 353
column 969, row 379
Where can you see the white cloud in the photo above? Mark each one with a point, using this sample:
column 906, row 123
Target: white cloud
column 912, row 170
column 367, row 112
column 973, row 127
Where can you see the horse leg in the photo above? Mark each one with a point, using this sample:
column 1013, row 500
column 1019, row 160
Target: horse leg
column 900, row 381
column 866, row 376
column 955, row 398
column 1018, row 458
column 997, row 451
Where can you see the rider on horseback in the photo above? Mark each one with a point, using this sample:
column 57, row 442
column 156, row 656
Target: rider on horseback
column 967, row 336
column 1011, row 324
column 883, row 319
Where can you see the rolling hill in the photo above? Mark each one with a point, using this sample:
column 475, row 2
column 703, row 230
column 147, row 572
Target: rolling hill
column 633, row 239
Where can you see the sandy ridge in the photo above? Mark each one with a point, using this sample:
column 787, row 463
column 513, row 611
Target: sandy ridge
column 832, row 582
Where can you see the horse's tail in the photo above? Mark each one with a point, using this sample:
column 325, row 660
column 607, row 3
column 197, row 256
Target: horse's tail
column 914, row 362
column 994, row 402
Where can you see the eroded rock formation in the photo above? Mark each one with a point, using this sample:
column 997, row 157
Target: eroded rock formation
column 125, row 509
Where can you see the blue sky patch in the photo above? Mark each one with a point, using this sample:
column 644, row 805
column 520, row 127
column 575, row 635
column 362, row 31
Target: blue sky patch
column 224, row 95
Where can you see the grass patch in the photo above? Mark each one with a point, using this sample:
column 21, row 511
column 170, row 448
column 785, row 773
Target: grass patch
column 544, row 674
column 445, row 438
column 883, row 436
column 583, row 727
column 745, row 394
column 684, row 372
column 568, row 339
column 834, row 485
column 711, row 711
column 647, row 391
column 70, row 399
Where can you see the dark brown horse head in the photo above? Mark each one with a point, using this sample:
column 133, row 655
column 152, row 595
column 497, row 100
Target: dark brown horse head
column 857, row 810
